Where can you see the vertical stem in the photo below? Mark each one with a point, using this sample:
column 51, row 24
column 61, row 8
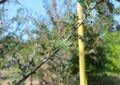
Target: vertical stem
column 31, row 80
column 82, row 74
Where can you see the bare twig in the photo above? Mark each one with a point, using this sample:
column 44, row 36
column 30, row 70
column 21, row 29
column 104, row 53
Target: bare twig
column 37, row 67
column 85, row 16
column 68, row 37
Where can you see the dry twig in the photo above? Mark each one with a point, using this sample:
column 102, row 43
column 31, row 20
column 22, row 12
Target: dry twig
column 37, row 67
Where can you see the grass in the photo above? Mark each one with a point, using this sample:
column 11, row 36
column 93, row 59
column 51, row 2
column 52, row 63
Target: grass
column 11, row 74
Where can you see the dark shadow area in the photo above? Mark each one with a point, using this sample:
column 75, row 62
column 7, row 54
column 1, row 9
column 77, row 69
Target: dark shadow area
column 103, row 79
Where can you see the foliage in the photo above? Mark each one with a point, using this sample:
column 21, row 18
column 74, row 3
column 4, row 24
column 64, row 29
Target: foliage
column 101, row 41
column 112, row 51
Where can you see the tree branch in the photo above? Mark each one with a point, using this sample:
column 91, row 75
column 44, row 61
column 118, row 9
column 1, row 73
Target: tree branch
column 2, row 1
column 37, row 67
column 56, row 50
column 85, row 16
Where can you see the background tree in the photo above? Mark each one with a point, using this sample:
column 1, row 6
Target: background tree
column 60, row 31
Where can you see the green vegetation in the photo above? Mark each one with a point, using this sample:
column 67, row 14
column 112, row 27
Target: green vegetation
column 18, row 56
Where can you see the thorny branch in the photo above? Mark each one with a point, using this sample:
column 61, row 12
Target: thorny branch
column 37, row 67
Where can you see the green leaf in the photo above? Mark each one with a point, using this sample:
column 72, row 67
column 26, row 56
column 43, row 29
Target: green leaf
column 61, row 45
column 41, row 75
column 14, row 55
column 118, row 27
column 110, row 6
column 14, row 82
column 83, row 3
column 118, row 0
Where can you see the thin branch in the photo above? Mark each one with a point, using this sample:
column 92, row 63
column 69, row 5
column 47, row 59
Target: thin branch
column 37, row 67
column 97, row 2
column 68, row 37
column 85, row 16
column 55, row 51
